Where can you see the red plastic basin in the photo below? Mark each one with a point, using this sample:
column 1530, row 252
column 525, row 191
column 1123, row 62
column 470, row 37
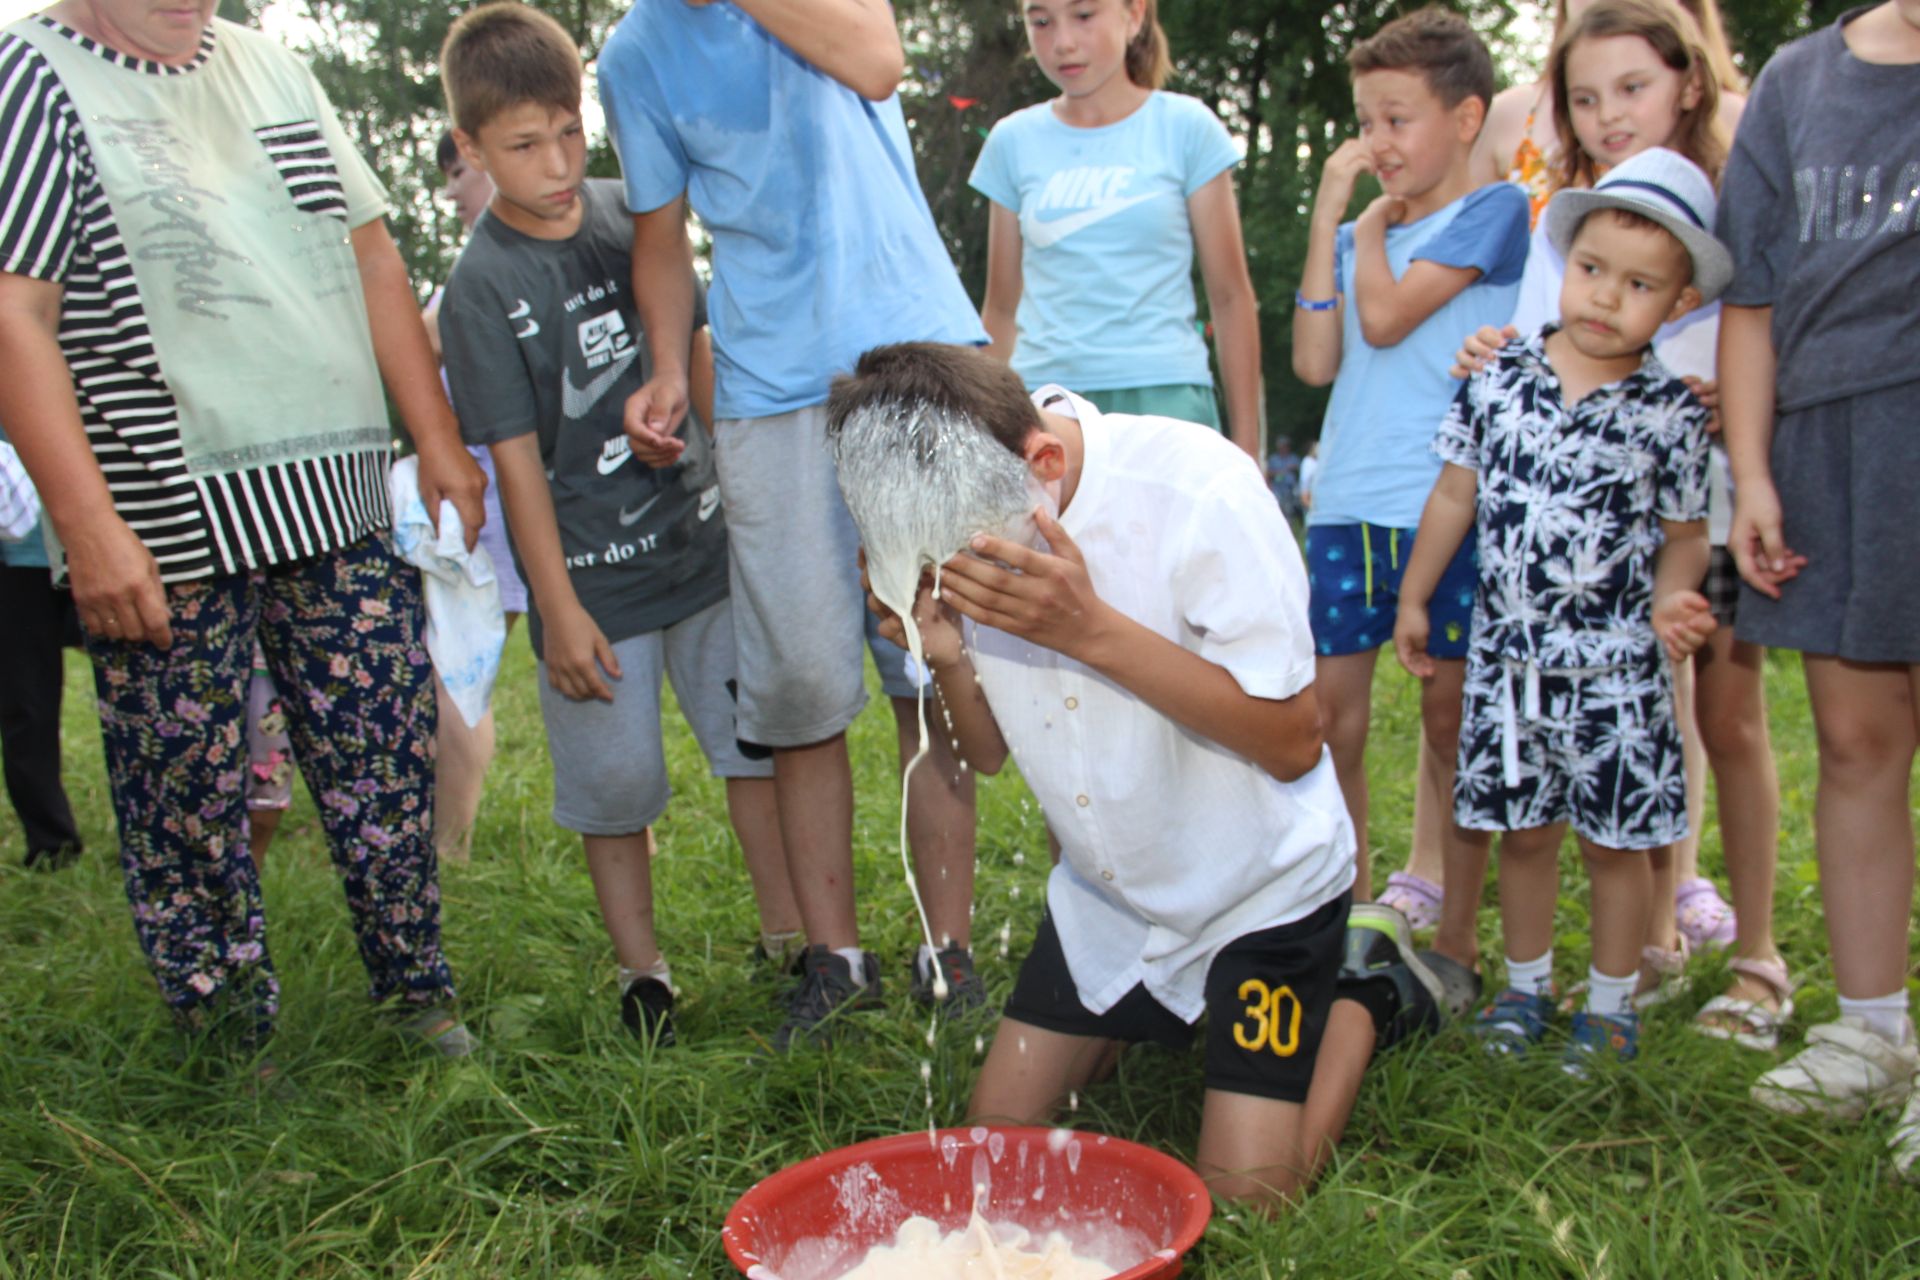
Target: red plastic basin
column 819, row 1217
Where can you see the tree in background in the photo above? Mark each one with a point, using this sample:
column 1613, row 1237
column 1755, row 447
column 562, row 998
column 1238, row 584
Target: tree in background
column 1274, row 71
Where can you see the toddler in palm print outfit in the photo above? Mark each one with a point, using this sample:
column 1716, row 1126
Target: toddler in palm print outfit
column 1581, row 460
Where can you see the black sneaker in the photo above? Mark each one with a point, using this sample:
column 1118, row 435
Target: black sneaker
column 1379, row 954
column 827, row 987
column 646, row 1006
column 965, row 991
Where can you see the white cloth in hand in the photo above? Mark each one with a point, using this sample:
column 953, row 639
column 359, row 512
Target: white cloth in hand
column 466, row 626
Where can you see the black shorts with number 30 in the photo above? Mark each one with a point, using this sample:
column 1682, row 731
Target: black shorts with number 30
column 1267, row 997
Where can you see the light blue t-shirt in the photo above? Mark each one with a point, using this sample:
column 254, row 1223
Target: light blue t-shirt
column 1106, row 248
column 823, row 245
column 1376, row 463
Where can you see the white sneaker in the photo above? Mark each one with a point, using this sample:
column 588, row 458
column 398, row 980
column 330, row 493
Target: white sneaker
column 1905, row 1143
column 1846, row 1070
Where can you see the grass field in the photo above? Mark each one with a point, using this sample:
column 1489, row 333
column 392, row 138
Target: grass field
column 560, row 1150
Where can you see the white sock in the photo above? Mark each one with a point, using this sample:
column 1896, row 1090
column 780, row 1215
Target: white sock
column 658, row 969
column 1610, row 995
column 1533, row 977
column 1885, row 1014
column 858, row 959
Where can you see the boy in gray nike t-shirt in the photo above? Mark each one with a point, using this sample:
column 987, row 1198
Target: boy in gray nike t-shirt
column 626, row 564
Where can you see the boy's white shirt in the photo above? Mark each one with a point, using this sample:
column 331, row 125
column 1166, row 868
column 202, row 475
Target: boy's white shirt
column 1171, row 845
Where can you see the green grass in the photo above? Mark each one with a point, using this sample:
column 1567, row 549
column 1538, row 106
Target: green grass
column 561, row 1150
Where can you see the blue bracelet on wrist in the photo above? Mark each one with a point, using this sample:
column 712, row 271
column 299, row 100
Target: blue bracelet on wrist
column 1305, row 303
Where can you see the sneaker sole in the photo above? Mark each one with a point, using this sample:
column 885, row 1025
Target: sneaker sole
column 1391, row 922
column 1806, row 1102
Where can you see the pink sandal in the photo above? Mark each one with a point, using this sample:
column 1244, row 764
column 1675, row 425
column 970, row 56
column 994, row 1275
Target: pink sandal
column 1703, row 915
column 1415, row 897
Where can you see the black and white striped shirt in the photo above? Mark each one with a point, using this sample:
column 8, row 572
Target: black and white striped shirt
column 56, row 224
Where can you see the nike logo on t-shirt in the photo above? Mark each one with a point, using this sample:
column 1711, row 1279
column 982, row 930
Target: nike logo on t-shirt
column 630, row 517
column 1044, row 235
column 613, row 454
column 578, row 402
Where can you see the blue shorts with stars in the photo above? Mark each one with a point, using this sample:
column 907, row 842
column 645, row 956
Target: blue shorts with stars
column 1354, row 573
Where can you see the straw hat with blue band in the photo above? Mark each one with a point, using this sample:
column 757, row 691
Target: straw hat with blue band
column 1662, row 185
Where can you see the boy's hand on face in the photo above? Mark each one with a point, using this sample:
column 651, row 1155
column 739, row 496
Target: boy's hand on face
column 651, row 415
column 1683, row 620
column 1343, row 169
column 577, row 652
column 939, row 625
column 1410, row 632
column 1479, row 348
column 1046, row 598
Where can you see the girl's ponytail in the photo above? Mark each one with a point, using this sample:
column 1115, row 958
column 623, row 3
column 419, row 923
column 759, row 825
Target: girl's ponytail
column 1148, row 61
column 1676, row 40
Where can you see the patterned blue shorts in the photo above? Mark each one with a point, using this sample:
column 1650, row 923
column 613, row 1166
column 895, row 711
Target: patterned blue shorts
column 1354, row 571
column 1598, row 749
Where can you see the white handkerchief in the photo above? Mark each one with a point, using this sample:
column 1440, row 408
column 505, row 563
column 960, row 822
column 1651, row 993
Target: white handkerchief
column 466, row 626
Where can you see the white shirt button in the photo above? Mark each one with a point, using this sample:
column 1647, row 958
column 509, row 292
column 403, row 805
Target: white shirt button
column 1082, row 801
column 1106, row 875
column 1072, row 703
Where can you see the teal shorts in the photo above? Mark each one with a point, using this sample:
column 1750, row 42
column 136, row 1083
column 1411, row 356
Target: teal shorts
column 1189, row 402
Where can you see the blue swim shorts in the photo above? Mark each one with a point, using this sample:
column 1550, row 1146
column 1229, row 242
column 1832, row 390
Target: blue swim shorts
column 1354, row 571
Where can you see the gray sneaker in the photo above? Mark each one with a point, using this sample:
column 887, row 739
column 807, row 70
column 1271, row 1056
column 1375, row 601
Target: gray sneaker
column 827, row 988
column 965, row 991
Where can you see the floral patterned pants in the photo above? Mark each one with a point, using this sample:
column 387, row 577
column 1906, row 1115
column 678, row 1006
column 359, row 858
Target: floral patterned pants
column 345, row 639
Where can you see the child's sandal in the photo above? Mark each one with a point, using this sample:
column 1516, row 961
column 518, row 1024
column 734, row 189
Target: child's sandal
column 1749, row 1023
column 1415, row 897
column 1669, row 972
column 1705, row 918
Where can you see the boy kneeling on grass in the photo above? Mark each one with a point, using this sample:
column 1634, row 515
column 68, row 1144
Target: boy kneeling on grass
column 1151, row 670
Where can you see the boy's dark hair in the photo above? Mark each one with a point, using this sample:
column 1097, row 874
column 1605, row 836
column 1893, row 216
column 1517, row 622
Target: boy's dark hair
column 446, row 152
column 1639, row 222
column 502, row 54
column 1436, row 44
column 964, row 381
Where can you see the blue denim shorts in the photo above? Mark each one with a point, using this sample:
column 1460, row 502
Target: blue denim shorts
column 1354, row 572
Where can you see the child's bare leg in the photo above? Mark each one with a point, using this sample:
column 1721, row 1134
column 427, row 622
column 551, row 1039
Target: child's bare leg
column 459, row 776
column 1440, row 697
column 753, row 806
column 815, row 786
column 1693, row 753
column 1530, row 890
column 623, row 884
column 1622, row 885
column 1343, row 686
column 1732, row 705
column 1264, row 1151
column 1864, row 717
column 1663, row 927
column 1029, row 1073
column 940, row 824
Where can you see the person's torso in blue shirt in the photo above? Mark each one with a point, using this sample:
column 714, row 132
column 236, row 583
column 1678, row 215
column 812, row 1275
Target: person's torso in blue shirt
column 1376, row 464
column 823, row 245
column 1106, row 252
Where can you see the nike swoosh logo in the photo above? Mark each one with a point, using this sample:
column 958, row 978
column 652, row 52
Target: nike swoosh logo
column 577, row 402
column 613, row 455
column 633, row 517
column 1044, row 235
column 524, row 312
column 709, row 502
